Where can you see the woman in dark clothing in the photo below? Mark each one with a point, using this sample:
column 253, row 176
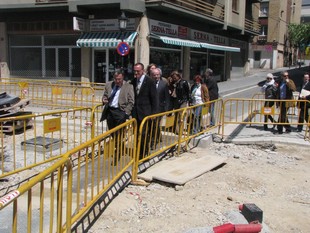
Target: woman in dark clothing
column 270, row 90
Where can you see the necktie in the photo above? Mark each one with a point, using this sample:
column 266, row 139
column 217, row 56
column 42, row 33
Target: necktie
column 115, row 89
column 157, row 83
column 138, row 86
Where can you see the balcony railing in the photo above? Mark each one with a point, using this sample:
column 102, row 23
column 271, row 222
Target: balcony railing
column 50, row 1
column 200, row 7
column 252, row 26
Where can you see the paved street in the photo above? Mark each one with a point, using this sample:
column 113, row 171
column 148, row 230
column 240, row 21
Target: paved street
column 258, row 75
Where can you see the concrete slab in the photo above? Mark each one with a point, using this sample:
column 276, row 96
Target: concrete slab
column 42, row 144
column 179, row 170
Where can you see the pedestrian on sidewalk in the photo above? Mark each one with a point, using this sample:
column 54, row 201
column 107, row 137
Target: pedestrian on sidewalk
column 304, row 107
column 285, row 92
column 213, row 92
column 199, row 95
column 270, row 90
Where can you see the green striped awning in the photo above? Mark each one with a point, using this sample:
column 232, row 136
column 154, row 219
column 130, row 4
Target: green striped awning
column 220, row 47
column 105, row 39
column 176, row 41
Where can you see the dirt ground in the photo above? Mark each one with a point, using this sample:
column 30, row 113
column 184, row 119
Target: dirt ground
column 274, row 177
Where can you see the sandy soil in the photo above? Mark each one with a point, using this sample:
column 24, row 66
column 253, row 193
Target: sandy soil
column 274, row 177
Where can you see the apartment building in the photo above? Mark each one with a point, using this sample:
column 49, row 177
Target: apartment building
column 78, row 40
column 271, row 49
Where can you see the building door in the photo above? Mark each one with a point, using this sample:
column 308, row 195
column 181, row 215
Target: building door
column 217, row 64
column 100, row 66
column 75, row 64
column 257, row 57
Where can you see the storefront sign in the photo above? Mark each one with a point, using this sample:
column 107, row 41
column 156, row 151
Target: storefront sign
column 208, row 38
column 168, row 29
column 123, row 48
column 111, row 25
column 78, row 24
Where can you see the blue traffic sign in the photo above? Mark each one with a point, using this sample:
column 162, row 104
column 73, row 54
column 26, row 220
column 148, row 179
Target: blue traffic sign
column 123, row 48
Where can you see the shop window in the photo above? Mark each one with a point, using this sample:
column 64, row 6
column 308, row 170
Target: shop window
column 235, row 5
column 26, row 62
column 25, row 40
column 27, row 54
column 166, row 60
column 198, row 64
column 60, row 40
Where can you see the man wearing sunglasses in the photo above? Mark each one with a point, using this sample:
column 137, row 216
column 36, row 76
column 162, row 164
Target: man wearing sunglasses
column 285, row 92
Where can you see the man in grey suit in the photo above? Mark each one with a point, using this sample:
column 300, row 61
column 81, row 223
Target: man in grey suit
column 146, row 103
column 163, row 103
column 118, row 97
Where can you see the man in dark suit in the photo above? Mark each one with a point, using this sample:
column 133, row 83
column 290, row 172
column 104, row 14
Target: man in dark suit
column 304, row 107
column 118, row 97
column 163, row 103
column 146, row 103
column 284, row 92
column 213, row 90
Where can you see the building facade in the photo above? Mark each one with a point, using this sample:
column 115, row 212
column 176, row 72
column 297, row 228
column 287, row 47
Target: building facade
column 79, row 40
column 271, row 49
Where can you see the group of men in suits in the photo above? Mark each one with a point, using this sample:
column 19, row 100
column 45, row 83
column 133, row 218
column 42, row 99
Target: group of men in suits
column 138, row 98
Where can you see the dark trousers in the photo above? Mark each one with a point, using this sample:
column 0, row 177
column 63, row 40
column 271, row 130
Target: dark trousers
column 145, row 138
column 115, row 117
column 283, row 117
column 303, row 115
column 156, row 132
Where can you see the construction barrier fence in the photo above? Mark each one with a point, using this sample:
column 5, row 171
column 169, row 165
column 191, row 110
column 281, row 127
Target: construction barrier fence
column 57, row 197
column 28, row 141
column 58, row 95
column 254, row 112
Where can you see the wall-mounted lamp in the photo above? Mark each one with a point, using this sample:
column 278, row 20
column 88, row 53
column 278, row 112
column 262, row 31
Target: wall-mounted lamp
column 293, row 7
column 274, row 43
column 123, row 22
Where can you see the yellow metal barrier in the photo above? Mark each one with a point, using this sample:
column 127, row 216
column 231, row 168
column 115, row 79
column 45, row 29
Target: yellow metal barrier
column 38, row 205
column 251, row 111
column 166, row 132
column 200, row 119
column 32, row 140
column 55, row 199
column 68, row 96
column 38, row 91
column 59, row 196
column 61, row 94
column 159, row 133
column 98, row 127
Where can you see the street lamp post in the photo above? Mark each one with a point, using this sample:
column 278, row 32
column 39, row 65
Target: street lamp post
column 122, row 20
column 122, row 24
